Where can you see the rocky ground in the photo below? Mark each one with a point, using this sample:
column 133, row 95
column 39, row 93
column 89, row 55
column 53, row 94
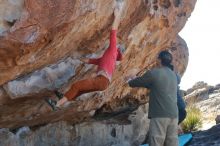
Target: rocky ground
column 209, row 137
column 207, row 99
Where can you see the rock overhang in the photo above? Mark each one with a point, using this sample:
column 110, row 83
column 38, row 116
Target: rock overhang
column 45, row 38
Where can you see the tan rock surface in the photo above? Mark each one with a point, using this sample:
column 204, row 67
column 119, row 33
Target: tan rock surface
column 50, row 35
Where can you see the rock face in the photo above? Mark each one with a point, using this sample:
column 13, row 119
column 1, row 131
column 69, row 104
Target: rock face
column 10, row 11
column 40, row 47
column 39, row 52
column 103, row 133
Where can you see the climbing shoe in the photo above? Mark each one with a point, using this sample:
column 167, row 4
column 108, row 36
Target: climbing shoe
column 52, row 103
column 58, row 94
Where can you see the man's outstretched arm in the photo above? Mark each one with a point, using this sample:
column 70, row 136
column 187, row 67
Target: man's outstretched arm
column 143, row 81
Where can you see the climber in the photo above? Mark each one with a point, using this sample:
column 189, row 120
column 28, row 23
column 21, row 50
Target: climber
column 106, row 66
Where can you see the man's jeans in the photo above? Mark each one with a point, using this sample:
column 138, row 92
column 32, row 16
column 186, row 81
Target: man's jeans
column 163, row 132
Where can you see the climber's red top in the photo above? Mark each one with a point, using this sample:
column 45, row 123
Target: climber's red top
column 108, row 60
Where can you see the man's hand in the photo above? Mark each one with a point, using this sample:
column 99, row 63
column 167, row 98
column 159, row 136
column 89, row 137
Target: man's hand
column 131, row 74
column 128, row 78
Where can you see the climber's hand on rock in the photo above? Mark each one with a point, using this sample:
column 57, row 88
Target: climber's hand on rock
column 118, row 8
column 131, row 74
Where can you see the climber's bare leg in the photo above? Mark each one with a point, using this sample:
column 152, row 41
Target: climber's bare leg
column 98, row 83
column 62, row 102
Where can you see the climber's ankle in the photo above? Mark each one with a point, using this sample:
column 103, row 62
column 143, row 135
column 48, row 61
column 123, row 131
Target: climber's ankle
column 61, row 101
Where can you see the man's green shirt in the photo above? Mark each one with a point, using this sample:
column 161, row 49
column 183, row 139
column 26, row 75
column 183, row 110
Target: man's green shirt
column 162, row 83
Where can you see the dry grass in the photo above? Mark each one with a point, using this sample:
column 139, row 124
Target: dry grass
column 193, row 121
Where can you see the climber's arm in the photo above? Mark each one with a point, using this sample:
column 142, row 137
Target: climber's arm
column 117, row 14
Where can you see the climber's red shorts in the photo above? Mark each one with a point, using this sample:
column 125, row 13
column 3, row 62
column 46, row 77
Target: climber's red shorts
column 98, row 83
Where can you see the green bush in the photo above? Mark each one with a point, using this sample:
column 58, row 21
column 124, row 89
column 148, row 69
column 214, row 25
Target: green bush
column 193, row 120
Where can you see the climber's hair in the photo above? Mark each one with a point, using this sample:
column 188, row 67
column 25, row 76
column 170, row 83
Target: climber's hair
column 166, row 59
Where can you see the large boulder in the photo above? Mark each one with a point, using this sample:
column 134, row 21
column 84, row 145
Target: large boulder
column 40, row 47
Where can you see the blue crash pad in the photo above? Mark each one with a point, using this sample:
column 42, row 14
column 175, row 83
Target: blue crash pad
column 183, row 139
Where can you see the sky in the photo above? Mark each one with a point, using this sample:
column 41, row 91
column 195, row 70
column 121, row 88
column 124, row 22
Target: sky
column 202, row 35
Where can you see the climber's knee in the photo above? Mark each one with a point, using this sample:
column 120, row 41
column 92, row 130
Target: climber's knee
column 103, row 82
